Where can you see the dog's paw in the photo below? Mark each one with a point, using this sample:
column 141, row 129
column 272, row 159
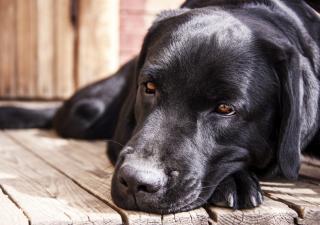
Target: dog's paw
column 238, row 191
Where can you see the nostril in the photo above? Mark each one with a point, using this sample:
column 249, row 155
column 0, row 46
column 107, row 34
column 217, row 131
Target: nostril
column 143, row 180
column 143, row 188
column 149, row 188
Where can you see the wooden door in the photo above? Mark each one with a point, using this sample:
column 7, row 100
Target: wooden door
column 49, row 48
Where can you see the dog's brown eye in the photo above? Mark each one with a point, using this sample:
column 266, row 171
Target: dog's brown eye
column 151, row 88
column 225, row 109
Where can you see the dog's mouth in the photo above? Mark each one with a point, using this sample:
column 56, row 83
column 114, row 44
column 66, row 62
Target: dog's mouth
column 140, row 184
column 173, row 200
column 182, row 205
column 188, row 205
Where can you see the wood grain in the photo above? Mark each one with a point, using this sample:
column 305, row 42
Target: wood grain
column 64, row 38
column 309, row 170
column 32, row 104
column 154, row 6
column 94, row 175
column 7, row 48
column 45, row 195
column 98, row 40
column 26, row 48
column 194, row 217
column 301, row 196
column 269, row 213
column 10, row 213
column 86, row 164
column 311, row 161
column 45, row 48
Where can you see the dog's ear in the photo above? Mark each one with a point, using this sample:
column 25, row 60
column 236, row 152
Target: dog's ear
column 289, row 73
column 295, row 78
column 125, row 122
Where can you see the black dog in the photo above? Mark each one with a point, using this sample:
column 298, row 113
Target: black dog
column 222, row 91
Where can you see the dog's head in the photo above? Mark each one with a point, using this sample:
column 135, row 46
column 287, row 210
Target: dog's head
column 212, row 95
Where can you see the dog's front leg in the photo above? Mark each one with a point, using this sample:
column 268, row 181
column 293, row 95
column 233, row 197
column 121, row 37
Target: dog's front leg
column 240, row 190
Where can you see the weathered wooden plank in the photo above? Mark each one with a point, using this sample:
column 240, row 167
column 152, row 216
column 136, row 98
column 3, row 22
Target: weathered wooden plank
column 92, row 171
column 197, row 216
column 194, row 217
column 7, row 48
column 94, row 174
column 31, row 104
column 45, row 48
column 26, row 47
column 269, row 213
column 309, row 170
column 45, row 195
column 300, row 196
column 310, row 167
column 64, row 38
column 98, row 40
column 311, row 161
column 9, row 213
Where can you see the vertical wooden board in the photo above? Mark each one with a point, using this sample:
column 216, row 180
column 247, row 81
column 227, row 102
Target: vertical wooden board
column 45, row 195
column 64, row 38
column 155, row 6
column 26, row 47
column 9, row 212
column 7, row 47
column 98, row 40
column 269, row 213
column 45, row 48
column 303, row 197
column 91, row 169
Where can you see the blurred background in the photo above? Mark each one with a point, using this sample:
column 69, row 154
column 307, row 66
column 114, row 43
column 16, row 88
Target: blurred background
column 50, row 48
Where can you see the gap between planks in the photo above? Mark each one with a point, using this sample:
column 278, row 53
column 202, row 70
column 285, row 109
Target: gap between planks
column 10, row 212
column 94, row 176
column 302, row 196
column 71, row 158
column 45, row 195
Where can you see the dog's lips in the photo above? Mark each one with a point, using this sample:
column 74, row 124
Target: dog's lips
column 185, row 204
column 162, row 204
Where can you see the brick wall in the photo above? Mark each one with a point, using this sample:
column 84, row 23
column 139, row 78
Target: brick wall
column 135, row 18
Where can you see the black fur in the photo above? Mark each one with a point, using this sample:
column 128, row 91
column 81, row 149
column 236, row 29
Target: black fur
column 261, row 57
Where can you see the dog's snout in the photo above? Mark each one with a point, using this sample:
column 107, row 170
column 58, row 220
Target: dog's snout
column 136, row 179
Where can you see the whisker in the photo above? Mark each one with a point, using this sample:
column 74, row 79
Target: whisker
column 210, row 186
column 203, row 200
column 204, row 188
column 200, row 201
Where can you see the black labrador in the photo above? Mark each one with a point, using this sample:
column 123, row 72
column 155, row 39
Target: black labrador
column 223, row 91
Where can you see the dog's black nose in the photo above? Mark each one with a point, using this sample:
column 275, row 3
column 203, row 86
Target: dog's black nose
column 143, row 179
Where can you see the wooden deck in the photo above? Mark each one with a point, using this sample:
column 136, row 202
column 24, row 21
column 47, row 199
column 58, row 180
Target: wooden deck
column 48, row 180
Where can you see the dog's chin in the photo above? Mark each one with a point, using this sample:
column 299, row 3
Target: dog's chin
column 166, row 206
column 132, row 204
column 156, row 204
